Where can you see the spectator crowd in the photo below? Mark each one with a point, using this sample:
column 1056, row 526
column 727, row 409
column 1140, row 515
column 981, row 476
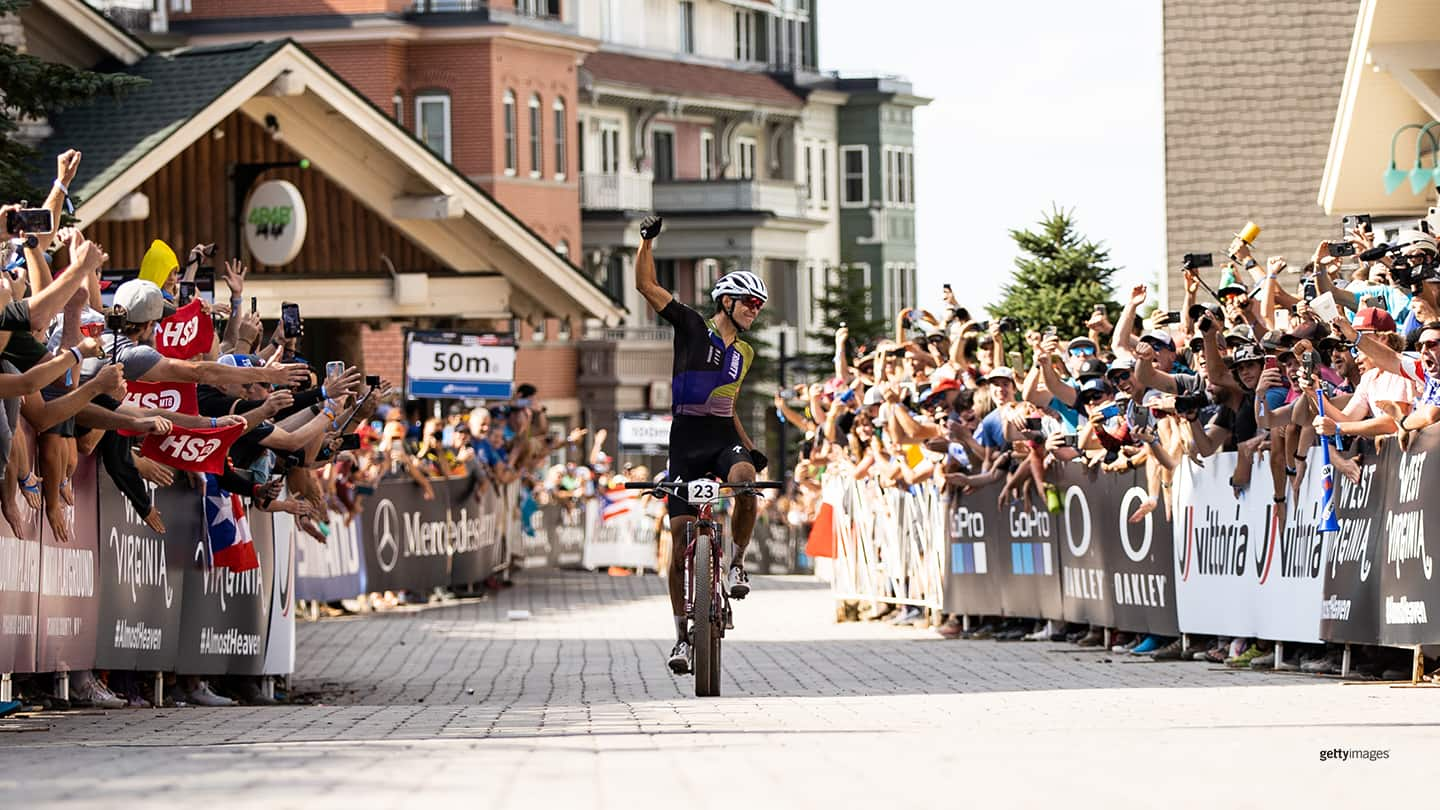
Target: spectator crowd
column 966, row 404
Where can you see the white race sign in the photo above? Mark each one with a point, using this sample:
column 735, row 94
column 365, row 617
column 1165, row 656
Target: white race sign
column 275, row 222
column 645, row 431
column 448, row 365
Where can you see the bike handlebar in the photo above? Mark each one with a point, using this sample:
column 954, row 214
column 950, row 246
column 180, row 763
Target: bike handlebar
column 669, row 487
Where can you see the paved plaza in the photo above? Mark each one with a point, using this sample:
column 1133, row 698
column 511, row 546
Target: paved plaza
column 457, row 705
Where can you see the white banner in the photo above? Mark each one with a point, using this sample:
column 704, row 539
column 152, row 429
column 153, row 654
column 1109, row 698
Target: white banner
column 645, row 431
column 1241, row 569
column 626, row 540
column 280, row 640
column 465, row 366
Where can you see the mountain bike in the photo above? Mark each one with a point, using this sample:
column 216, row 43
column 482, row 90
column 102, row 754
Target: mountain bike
column 707, row 604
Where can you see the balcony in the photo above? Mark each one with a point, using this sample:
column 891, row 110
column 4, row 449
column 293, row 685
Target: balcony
column 136, row 16
column 533, row 9
column 783, row 198
column 624, row 191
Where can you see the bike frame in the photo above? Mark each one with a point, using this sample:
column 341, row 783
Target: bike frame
column 705, row 520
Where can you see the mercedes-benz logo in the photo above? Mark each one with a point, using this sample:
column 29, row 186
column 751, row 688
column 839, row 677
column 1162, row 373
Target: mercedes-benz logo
column 1136, row 555
column 387, row 548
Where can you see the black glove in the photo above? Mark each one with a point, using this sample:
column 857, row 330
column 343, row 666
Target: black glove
column 650, row 228
column 759, row 459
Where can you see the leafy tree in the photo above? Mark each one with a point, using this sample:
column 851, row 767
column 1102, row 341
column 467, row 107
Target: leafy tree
column 33, row 89
column 1059, row 279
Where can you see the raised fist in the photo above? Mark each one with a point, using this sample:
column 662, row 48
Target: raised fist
column 650, row 227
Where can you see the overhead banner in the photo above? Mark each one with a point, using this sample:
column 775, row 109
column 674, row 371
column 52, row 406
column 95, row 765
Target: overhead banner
column 645, row 431
column 458, row 365
column 69, row 603
column 1114, row 572
column 142, row 577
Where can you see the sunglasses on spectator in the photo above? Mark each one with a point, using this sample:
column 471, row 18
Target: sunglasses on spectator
column 1082, row 351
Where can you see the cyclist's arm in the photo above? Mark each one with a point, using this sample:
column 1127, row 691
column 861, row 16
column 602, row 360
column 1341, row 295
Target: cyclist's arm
column 655, row 295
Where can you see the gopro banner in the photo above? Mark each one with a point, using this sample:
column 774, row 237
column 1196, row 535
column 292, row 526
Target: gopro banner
column 972, row 529
column 142, row 577
column 1245, row 565
column 1116, row 569
column 446, row 365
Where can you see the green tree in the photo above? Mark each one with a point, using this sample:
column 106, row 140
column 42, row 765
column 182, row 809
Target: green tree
column 846, row 301
column 33, row 89
column 1059, row 279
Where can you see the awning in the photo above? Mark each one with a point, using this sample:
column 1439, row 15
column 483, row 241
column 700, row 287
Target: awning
column 1392, row 79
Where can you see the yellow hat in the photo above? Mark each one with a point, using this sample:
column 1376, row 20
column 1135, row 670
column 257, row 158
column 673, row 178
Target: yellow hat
column 158, row 263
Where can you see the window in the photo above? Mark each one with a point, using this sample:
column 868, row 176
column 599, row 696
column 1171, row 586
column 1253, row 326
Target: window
column 561, row 156
column 809, row 175
column 909, row 189
column 707, row 272
column 397, row 104
column 663, row 149
column 855, row 176
column 537, row 152
column 610, row 20
column 687, row 26
column 824, row 175
column 610, row 147
column 432, row 122
column 744, row 36
column 707, row 155
column 745, row 149
column 861, row 270
column 563, row 248
column 899, row 176
column 511, row 149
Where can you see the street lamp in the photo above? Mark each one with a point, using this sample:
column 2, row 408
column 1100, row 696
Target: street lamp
column 1393, row 176
column 1419, row 177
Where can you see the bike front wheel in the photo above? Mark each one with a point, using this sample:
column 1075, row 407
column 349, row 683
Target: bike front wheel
column 706, row 636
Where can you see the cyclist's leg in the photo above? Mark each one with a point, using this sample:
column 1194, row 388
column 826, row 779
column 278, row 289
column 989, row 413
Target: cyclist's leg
column 678, row 526
column 737, row 467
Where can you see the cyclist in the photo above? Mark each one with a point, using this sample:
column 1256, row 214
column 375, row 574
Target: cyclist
column 706, row 437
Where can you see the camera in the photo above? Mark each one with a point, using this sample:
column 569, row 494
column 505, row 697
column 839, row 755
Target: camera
column 1342, row 248
column 1192, row 261
column 1308, row 289
column 1171, row 316
column 1009, row 324
column 1187, row 403
column 1350, row 222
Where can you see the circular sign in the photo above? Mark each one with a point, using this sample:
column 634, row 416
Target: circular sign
column 275, row 222
column 1132, row 495
column 1077, row 549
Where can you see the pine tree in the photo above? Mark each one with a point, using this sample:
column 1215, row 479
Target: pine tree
column 33, row 89
column 1059, row 278
column 846, row 301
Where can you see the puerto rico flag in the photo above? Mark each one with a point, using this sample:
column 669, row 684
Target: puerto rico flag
column 617, row 502
column 227, row 529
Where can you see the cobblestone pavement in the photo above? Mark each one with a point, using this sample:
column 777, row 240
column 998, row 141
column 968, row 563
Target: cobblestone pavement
column 455, row 703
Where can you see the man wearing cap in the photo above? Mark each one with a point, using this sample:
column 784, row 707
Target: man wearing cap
column 1058, row 396
column 1421, row 367
column 991, row 433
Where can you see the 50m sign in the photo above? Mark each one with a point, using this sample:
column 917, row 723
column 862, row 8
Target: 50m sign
column 452, row 365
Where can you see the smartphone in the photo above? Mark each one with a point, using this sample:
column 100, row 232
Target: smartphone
column 350, row 441
column 1194, row 260
column 1171, row 316
column 1071, row 440
column 253, row 305
column 1271, row 363
column 1308, row 289
column 1033, row 423
column 334, row 368
column 372, row 380
column 1099, row 309
column 1350, row 222
column 290, row 319
column 1110, row 411
column 29, row 220
column 1052, row 331
column 187, row 292
column 1342, row 248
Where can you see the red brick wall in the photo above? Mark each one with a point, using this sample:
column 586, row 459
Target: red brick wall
column 552, row 369
column 464, row 70
column 383, row 352
column 282, row 8
column 376, row 69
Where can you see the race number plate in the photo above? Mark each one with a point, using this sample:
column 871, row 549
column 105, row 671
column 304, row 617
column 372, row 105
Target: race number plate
column 703, row 492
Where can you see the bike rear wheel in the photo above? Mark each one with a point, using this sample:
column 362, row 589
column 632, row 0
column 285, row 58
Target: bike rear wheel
column 705, row 641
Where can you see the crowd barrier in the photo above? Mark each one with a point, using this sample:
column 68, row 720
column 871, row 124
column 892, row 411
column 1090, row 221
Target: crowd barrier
column 120, row 596
column 579, row 534
column 1214, row 564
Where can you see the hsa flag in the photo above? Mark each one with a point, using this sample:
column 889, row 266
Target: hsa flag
column 187, row 333
column 176, row 397
column 200, row 450
column 227, row 529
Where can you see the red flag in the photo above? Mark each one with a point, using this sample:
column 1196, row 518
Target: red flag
column 196, row 450
column 821, row 542
column 176, row 397
column 187, row 333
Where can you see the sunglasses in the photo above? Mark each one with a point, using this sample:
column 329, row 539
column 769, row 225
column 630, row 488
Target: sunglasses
column 1120, row 376
column 752, row 302
column 1082, row 351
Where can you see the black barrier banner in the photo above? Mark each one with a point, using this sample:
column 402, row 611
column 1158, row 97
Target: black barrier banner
column 19, row 589
column 553, row 534
column 1029, row 571
column 142, row 577
column 334, row 570
column 1408, row 586
column 404, row 538
column 775, row 548
column 69, row 607
column 1351, row 607
column 223, row 625
column 1114, row 573
column 972, row 528
column 473, row 530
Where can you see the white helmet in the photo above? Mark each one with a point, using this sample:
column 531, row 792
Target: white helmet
column 740, row 283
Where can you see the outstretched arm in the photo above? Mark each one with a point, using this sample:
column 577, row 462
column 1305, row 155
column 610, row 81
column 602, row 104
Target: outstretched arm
column 645, row 281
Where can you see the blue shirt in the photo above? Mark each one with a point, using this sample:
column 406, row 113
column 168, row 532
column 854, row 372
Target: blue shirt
column 1397, row 301
column 992, row 431
column 1069, row 417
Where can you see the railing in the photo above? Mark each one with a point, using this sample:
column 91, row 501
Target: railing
column 782, row 197
column 631, row 334
column 889, row 544
column 624, row 191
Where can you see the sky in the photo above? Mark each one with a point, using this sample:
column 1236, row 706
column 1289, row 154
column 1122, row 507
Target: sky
column 1036, row 103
